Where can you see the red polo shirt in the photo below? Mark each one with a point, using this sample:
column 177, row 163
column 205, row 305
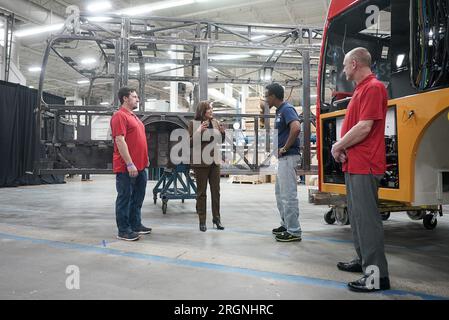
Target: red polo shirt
column 369, row 102
column 125, row 123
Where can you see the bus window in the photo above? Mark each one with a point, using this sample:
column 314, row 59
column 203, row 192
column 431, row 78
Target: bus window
column 370, row 27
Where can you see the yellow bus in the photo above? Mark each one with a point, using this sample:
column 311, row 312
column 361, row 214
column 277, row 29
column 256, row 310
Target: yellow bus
column 409, row 44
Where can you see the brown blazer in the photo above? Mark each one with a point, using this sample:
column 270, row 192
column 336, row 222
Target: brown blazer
column 215, row 125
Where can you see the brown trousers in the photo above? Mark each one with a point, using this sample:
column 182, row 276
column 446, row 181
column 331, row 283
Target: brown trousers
column 202, row 175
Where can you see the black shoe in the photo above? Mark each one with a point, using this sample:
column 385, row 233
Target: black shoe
column 352, row 266
column 143, row 230
column 287, row 237
column 130, row 236
column 218, row 225
column 361, row 285
column 203, row 227
column 279, row 230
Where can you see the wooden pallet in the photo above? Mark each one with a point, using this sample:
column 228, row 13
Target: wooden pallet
column 317, row 197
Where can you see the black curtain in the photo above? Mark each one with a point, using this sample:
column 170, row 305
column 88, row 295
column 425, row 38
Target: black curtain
column 17, row 135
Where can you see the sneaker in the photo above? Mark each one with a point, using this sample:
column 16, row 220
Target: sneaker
column 131, row 236
column 279, row 230
column 143, row 230
column 287, row 237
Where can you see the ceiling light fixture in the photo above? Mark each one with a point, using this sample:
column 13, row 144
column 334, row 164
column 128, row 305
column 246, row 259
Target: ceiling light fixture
column 83, row 81
column 32, row 31
column 34, row 69
column 88, row 61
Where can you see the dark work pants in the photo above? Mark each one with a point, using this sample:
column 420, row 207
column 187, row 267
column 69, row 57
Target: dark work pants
column 366, row 222
column 130, row 196
column 203, row 174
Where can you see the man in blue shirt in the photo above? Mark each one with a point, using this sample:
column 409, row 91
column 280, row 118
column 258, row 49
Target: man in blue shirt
column 288, row 126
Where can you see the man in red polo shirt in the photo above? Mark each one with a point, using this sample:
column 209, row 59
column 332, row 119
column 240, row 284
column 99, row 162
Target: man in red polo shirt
column 361, row 151
column 129, row 162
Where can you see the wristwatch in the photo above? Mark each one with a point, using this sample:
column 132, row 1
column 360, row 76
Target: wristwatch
column 284, row 150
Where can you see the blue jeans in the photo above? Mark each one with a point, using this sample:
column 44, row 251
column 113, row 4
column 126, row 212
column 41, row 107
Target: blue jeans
column 287, row 194
column 130, row 196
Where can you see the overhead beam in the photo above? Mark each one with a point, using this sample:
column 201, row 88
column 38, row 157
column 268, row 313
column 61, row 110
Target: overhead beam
column 216, row 63
column 290, row 83
column 228, row 44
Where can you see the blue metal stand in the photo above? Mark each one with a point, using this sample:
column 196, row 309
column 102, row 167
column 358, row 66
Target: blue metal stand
column 186, row 189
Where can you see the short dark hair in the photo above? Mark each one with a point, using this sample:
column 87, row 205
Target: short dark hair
column 124, row 92
column 276, row 89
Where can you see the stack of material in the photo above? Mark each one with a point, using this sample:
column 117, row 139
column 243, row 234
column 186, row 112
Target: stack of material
column 254, row 105
column 252, row 179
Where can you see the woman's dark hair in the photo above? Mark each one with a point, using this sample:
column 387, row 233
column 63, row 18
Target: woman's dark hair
column 124, row 92
column 201, row 109
column 276, row 89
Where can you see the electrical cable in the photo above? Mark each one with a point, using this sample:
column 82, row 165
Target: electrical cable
column 430, row 41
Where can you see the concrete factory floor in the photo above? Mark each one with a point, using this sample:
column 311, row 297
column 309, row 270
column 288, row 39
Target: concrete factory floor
column 44, row 229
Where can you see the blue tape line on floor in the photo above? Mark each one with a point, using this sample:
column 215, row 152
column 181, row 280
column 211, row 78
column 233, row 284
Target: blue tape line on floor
column 307, row 238
column 212, row 266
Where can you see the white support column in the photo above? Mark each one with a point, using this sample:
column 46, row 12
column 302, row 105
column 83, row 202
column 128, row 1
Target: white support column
column 173, row 96
column 228, row 87
column 203, row 78
column 3, row 35
column 174, row 93
column 173, row 85
column 244, row 95
column 76, row 96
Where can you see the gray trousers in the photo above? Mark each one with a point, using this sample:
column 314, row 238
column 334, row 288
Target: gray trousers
column 365, row 219
column 287, row 194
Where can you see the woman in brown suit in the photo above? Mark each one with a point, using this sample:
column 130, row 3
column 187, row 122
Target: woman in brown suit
column 203, row 120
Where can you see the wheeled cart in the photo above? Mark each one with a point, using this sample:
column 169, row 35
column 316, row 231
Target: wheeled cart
column 428, row 214
column 174, row 183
